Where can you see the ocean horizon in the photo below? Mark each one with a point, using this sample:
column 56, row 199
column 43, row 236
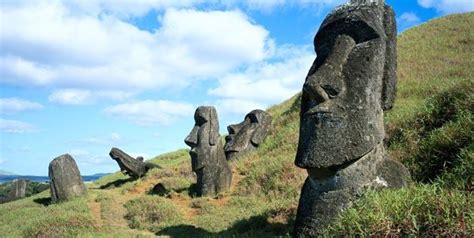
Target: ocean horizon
column 43, row 179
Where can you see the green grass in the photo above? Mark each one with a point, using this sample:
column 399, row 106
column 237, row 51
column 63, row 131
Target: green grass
column 429, row 130
column 424, row 210
column 152, row 213
column 29, row 217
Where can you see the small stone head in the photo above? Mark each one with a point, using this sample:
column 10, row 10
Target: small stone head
column 204, row 137
column 248, row 134
column 341, row 111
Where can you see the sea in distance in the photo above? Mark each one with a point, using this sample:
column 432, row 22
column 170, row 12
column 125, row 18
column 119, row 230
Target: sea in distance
column 44, row 179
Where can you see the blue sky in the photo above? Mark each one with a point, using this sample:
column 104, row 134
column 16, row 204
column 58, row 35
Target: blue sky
column 80, row 77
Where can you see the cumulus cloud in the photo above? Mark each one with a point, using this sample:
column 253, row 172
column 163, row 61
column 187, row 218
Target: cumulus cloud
column 49, row 44
column 266, row 83
column 448, row 6
column 14, row 105
column 407, row 19
column 82, row 96
column 16, row 127
column 149, row 112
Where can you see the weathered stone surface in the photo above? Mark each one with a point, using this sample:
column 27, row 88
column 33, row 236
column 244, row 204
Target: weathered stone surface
column 18, row 189
column 347, row 88
column 207, row 154
column 129, row 165
column 65, row 179
column 248, row 134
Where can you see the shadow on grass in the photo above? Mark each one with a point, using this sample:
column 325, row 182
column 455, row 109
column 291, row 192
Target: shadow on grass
column 256, row 226
column 117, row 183
column 43, row 201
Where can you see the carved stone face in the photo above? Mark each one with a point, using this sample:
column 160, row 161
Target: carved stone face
column 204, row 137
column 341, row 112
column 248, row 134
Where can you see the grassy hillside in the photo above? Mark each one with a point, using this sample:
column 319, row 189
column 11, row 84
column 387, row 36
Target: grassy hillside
column 429, row 130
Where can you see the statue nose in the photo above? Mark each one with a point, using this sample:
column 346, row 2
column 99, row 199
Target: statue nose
column 192, row 140
column 315, row 91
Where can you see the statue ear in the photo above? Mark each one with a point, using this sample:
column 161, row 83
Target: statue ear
column 389, row 85
column 262, row 130
column 214, row 127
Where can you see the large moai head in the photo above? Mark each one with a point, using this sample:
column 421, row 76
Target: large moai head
column 204, row 137
column 248, row 134
column 348, row 86
column 65, row 179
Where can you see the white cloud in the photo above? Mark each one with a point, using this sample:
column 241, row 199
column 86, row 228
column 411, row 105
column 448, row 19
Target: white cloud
column 238, row 106
column 85, row 158
column 448, row 6
column 16, row 127
column 14, row 105
column 50, row 44
column 264, row 84
column 148, row 112
column 2, row 161
column 82, row 97
column 407, row 19
column 71, row 97
column 111, row 140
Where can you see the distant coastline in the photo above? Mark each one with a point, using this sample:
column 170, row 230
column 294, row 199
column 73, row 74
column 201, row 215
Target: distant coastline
column 44, row 179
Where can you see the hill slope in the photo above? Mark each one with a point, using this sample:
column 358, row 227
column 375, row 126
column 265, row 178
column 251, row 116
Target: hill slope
column 429, row 130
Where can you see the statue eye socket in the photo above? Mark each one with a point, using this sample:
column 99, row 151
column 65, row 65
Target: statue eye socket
column 200, row 120
column 252, row 118
column 331, row 91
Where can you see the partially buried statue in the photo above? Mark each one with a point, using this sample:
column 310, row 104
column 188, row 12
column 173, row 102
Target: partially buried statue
column 18, row 189
column 248, row 134
column 350, row 84
column 129, row 165
column 207, row 154
column 65, row 179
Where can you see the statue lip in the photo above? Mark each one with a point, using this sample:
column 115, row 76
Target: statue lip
column 193, row 153
column 317, row 111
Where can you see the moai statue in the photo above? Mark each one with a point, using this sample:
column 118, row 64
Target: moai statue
column 207, row 154
column 129, row 165
column 18, row 189
column 65, row 179
column 350, row 84
column 248, row 134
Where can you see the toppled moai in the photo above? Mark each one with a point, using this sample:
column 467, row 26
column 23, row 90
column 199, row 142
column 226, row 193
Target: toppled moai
column 350, row 84
column 129, row 165
column 208, row 161
column 18, row 189
column 248, row 134
column 65, row 179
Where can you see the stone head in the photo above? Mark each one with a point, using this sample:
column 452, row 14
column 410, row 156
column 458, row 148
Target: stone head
column 204, row 136
column 248, row 134
column 342, row 100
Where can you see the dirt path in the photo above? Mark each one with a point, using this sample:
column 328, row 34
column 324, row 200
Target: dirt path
column 96, row 213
